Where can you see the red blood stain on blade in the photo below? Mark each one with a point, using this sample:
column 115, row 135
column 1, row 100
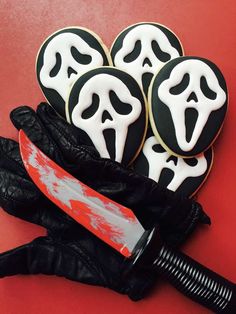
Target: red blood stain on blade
column 110, row 221
column 97, row 225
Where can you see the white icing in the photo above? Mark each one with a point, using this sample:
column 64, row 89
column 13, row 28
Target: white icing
column 102, row 84
column 146, row 34
column 62, row 44
column 157, row 161
column 178, row 103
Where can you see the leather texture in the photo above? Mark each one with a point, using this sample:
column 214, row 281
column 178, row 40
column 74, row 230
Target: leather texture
column 69, row 250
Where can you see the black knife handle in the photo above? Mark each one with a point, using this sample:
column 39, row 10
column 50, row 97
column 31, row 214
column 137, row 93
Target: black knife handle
column 196, row 281
column 188, row 276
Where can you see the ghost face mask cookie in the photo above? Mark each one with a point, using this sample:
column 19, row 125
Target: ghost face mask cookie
column 142, row 49
column 108, row 105
column 183, row 175
column 188, row 102
column 63, row 57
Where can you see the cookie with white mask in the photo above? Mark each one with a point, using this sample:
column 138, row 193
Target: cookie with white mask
column 142, row 49
column 108, row 105
column 188, row 102
column 65, row 55
column 183, row 175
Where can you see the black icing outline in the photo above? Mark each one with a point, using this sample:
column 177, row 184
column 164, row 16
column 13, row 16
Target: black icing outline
column 137, row 130
column 161, row 120
column 89, row 37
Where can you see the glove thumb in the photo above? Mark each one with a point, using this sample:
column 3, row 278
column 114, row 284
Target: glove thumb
column 25, row 259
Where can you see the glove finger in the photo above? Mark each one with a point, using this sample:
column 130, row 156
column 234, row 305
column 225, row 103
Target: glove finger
column 47, row 256
column 21, row 198
column 31, row 258
column 17, row 195
column 25, row 118
column 55, row 137
column 10, row 158
column 14, row 262
column 68, row 138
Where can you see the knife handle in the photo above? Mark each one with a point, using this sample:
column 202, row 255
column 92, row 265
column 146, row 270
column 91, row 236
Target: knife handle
column 190, row 277
column 196, row 281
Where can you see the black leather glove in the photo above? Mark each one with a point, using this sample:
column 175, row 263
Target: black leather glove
column 68, row 250
column 67, row 146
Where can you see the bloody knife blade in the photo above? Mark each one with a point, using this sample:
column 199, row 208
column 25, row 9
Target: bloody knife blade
column 118, row 226
column 113, row 223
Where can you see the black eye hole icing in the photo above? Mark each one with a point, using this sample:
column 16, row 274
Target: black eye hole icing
column 206, row 89
column 158, row 148
column 54, row 71
column 80, row 57
column 191, row 161
column 119, row 106
column 161, row 55
column 91, row 110
column 179, row 88
column 133, row 55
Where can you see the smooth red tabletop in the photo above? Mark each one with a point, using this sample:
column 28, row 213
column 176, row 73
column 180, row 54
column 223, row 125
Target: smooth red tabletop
column 206, row 29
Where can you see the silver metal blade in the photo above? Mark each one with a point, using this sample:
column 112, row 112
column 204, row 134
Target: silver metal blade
column 113, row 223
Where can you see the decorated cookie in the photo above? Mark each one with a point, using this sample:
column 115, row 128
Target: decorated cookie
column 63, row 57
column 108, row 105
column 142, row 49
column 188, row 102
column 184, row 175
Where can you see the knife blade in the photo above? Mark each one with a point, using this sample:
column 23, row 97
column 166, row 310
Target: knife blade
column 118, row 226
column 111, row 222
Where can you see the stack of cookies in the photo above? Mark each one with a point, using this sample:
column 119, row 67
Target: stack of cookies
column 143, row 104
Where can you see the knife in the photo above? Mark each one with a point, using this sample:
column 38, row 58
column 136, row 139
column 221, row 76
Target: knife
column 117, row 225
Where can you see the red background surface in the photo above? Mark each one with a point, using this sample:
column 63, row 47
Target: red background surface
column 206, row 29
